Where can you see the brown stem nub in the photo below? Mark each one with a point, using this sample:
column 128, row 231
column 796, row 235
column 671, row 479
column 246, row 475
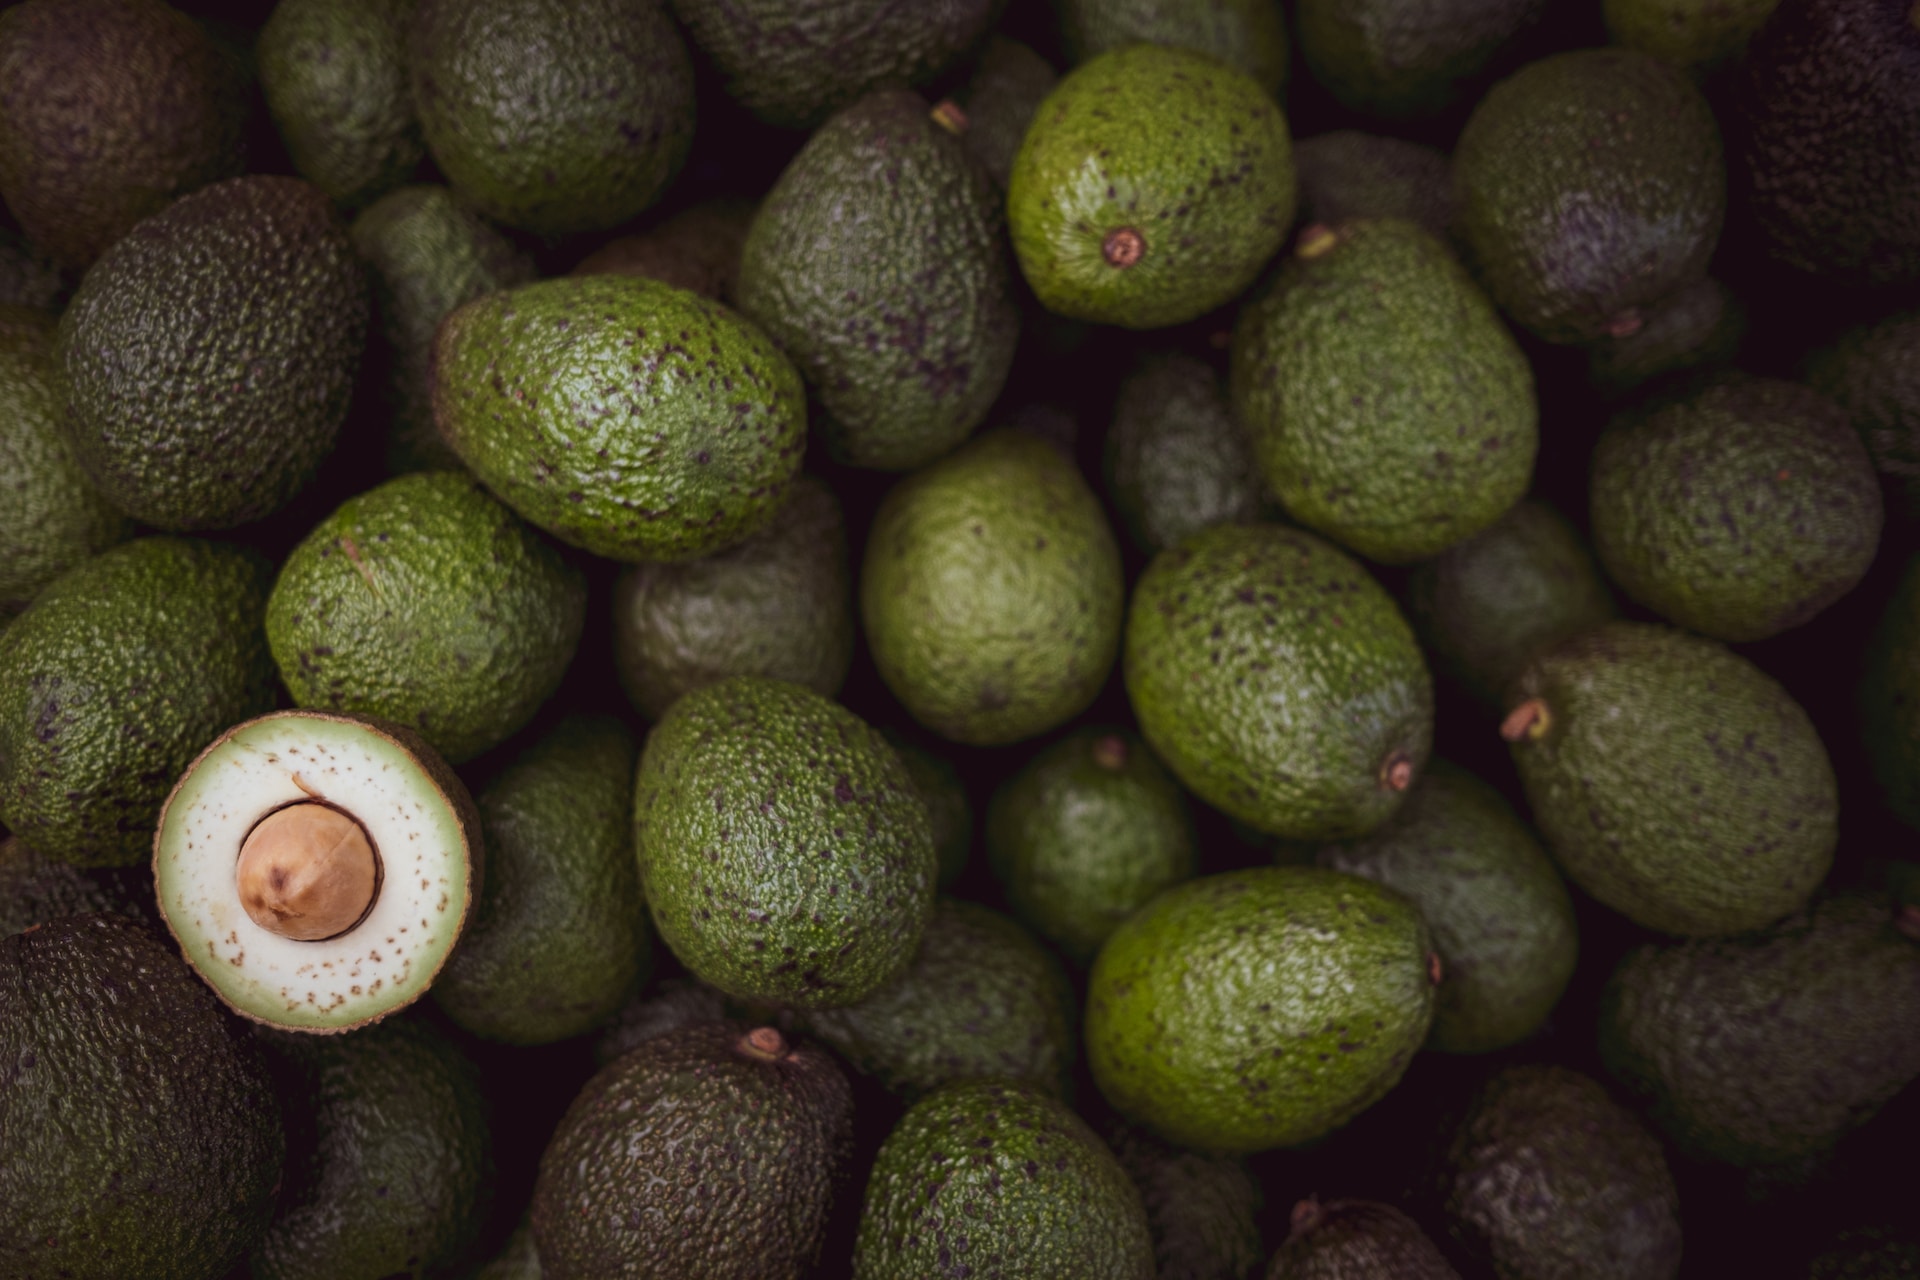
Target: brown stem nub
column 765, row 1043
column 1123, row 247
column 1315, row 239
column 1305, row 1216
column 1396, row 774
column 1907, row 920
column 307, row 872
column 1435, row 971
column 1626, row 324
column 950, row 117
column 1528, row 720
column 1110, row 752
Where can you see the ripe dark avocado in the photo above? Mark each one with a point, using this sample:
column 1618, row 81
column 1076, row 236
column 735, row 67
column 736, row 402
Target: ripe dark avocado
column 1247, row 35
column 1398, row 59
column 1177, row 460
column 697, row 249
column 1890, row 699
column 35, row 889
column 1343, row 1239
column 999, row 101
column 1873, row 372
column 139, row 1134
column 1701, row 324
column 1203, row 1210
column 1347, row 174
column 714, row 1151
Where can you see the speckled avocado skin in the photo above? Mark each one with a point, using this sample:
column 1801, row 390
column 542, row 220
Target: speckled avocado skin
column 1248, row 35
column 1177, row 461
column 783, row 850
column 622, row 415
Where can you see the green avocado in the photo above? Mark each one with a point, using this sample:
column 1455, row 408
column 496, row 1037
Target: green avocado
column 1202, row 1209
column 999, row 101
column 334, row 73
column 35, row 889
column 1700, row 324
column 1889, row 698
column 1344, row 1239
column 1248, row 35
column 1873, row 372
column 949, row 809
column 1347, row 174
column 1152, row 187
column 624, row 416
column 1699, row 36
column 426, row 602
column 663, row 1006
column 697, row 249
column 1177, row 460
column 1402, row 59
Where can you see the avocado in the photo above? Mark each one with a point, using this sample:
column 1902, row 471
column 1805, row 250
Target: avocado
column 981, row 1000
column 139, row 1134
column 1673, row 779
column 1588, row 186
column 1248, row 35
column 1872, row 371
column 622, row 415
column 992, row 591
column 1701, row 37
column 35, row 889
column 1889, row 698
column 1348, row 174
column 994, row 1178
column 903, row 320
column 1401, row 59
column 1700, row 324
column 1240, row 617
column 108, row 110
column 1346, row 1238
column 334, row 73
column 114, row 679
column 715, row 1151
column 1486, row 606
column 1765, row 1049
column 554, row 116
column 1740, row 512
column 1502, row 922
column 784, row 852
column 1259, row 1008
column 1177, row 461
column 28, row 277
column 1388, row 405
column 697, row 249
column 998, row 102
column 1203, row 1210
column 1085, row 834
column 666, row 1005
column 1152, row 186
column 51, row 516
column 425, row 601
column 1548, row 1176
column 559, row 938
column 949, row 810
column 388, row 1156
column 209, row 355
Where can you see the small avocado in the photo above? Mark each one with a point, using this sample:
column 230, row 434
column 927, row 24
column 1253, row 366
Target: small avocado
column 993, row 1178
column 1889, row 698
column 1700, row 324
column 1085, row 834
column 139, row 1133
column 1344, row 1239
column 949, row 810
column 622, row 415
column 1240, row 617
column 1152, row 187
column 1740, row 512
column 715, row 1151
column 1588, row 186
column 1202, row 1209
column 1259, row 1008
column 1177, row 460
column 783, row 850
column 1701, row 37
column 1248, row 35
column 998, row 102
column 554, row 116
column 1401, row 59
column 1673, row 780
column 697, row 249
column 1347, row 174
column 1388, row 406
column 427, row 602
column 1872, row 371
column 991, row 592
column 35, row 889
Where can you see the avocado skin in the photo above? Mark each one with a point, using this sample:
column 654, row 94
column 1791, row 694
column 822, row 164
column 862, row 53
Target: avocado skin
column 689, row 1157
column 210, row 354
column 388, row 1160
column 1357, row 1238
column 1890, row 698
column 697, row 249
column 555, row 116
column 1765, row 1049
column 426, row 602
column 1239, row 616
column 1701, row 37
column 1399, row 59
column 35, row 889
column 1203, row 1210
column 1700, row 324
column 1003, row 1180
column 109, row 109
column 1348, row 174
column 112, row 682
column 903, row 320
column 1007, row 87
column 692, row 453
column 1739, row 513
column 665, row 1005
column 949, row 809
column 1549, row 1177
column 783, row 851
column 1177, row 460
column 1247, row 35
column 1873, row 372
column 139, row 1133
column 1637, row 142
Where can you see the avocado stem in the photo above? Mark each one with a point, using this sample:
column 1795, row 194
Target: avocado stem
column 948, row 115
column 1397, row 773
column 1528, row 720
column 307, row 872
column 1305, row 1216
column 1123, row 247
column 1315, row 239
column 1110, row 752
column 1626, row 324
column 1435, row 970
column 764, row 1043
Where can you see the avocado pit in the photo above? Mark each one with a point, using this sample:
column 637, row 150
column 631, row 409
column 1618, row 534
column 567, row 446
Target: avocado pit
column 307, row 872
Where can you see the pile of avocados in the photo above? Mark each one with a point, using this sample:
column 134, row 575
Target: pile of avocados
column 968, row 640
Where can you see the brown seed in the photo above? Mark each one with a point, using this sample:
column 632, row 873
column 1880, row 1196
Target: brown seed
column 307, row 872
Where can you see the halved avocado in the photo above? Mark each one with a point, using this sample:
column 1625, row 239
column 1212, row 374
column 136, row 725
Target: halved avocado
column 317, row 868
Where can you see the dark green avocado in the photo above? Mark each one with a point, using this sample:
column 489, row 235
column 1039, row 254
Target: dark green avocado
column 1177, row 460
column 1202, row 1209
column 35, row 889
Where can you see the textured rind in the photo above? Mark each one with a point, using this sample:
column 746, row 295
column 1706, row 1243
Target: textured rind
column 1203, row 1210
column 1177, row 460
column 1248, row 35
column 1675, row 781
column 1586, row 186
column 1873, row 372
column 1396, row 59
column 35, row 889
column 114, row 679
column 697, row 249
column 688, row 1157
column 1008, row 85
column 949, row 809
column 1739, row 513
column 1002, row 1181
column 1189, row 153
column 666, row 1005
column 1387, row 404
column 1261, row 1008
column 1890, row 698
column 1242, row 616
column 139, row 1134
column 1699, row 324
column 1359, row 1238
column 1766, row 1049
column 219, row 415
column 624, row 416
column 1348, row 174
column 783, row 850
column 556, row 116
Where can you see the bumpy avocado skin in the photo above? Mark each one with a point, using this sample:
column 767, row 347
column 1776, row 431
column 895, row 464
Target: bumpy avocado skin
column 1001, row 1179
column 783, row 850
column 1674, row 780
column 112, row 682
column 1244, row 616
column 210, row 354
column 1007, row 87
column 1177, row 460
column 426, row 602
column 139, row 1133
column 697, row 249
column 1588, row 186
column 1346, row 1238
column 1873, row 372
column 335, row 78
column 1700, row 324
column 1348, row 174
column 35, row 889
column 1203, row 1209
column 690, row 453
column 1189, row 155
column 1259, row 1008
column 1247, row 35
column 1890, row 698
